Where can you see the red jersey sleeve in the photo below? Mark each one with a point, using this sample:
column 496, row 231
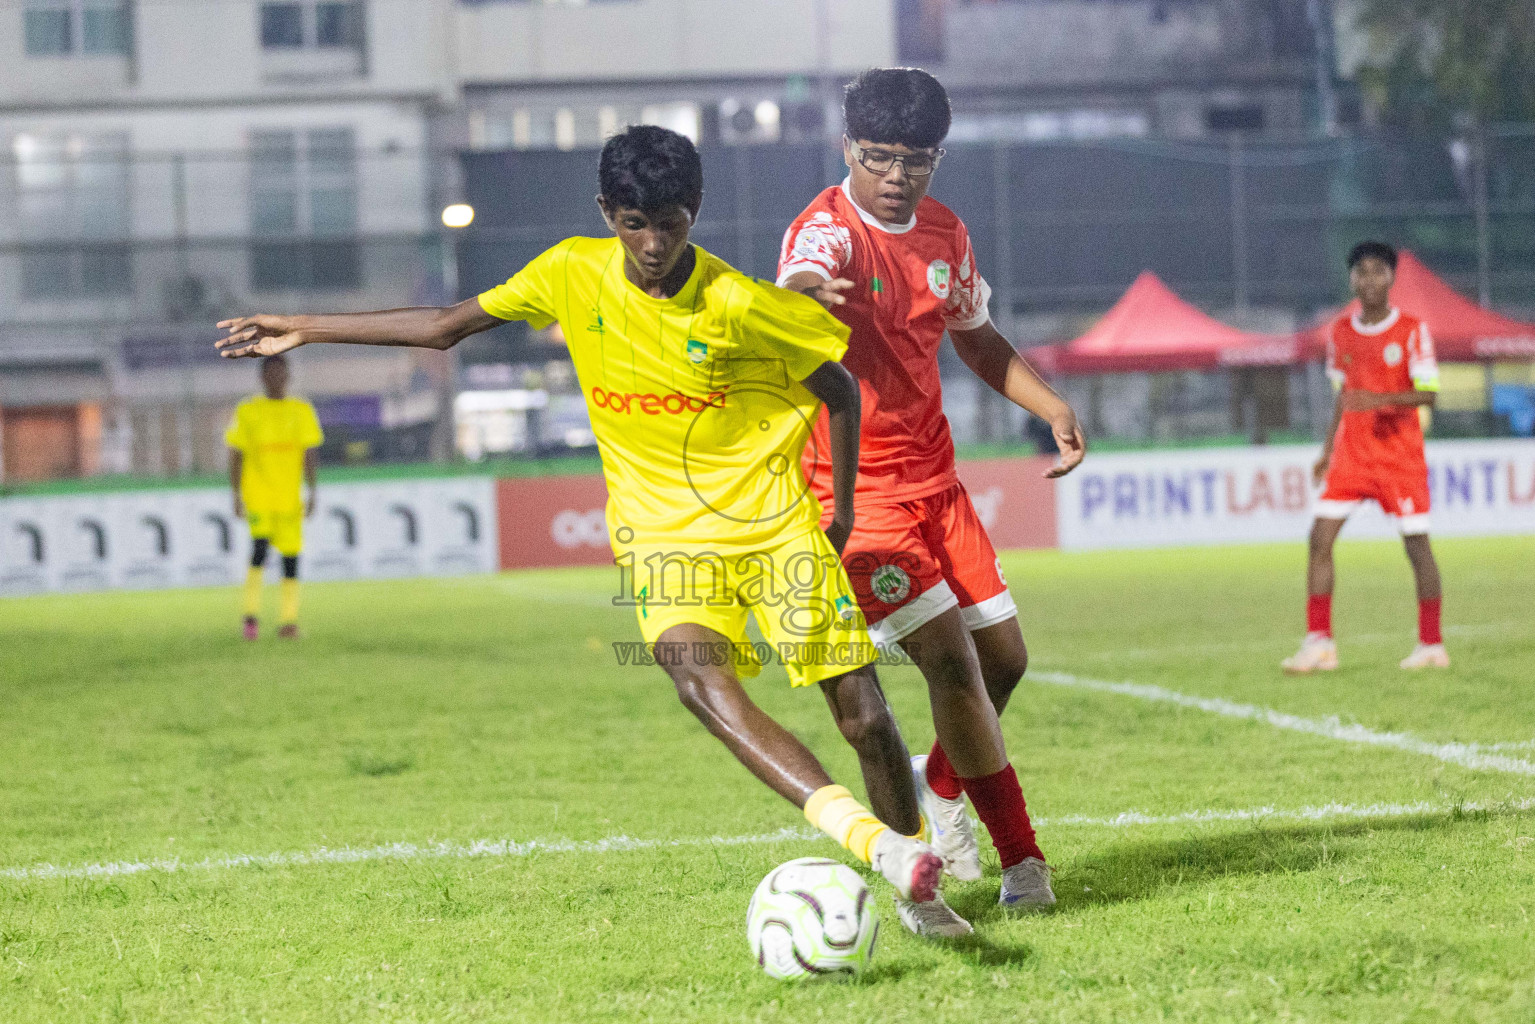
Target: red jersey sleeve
column 819, row 242
column 965, row 309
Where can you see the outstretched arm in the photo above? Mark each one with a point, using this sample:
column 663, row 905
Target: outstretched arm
column 1354, row 400
column 995, row 361
column 835, row 387
column 1319, row 469
column 437, row 327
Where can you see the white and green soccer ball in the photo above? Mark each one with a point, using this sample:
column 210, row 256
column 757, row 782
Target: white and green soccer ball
column 812, row 917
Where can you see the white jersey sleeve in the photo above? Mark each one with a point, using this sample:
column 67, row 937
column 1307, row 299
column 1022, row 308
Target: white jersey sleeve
column 820, row 244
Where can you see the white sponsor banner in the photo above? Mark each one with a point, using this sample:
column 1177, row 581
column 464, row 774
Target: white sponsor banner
column 190, row 537
column 1216, row 496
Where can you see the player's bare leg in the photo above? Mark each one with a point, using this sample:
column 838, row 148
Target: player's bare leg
column 786, row 766
column 1004, row 658
column 865, row 720
column 1318, row 652
column 1430, row 652
column 864, row 717
column 970, row 735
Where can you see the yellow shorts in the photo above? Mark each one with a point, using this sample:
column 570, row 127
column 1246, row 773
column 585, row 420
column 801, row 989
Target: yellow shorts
column 798, row 592
column 285, row 530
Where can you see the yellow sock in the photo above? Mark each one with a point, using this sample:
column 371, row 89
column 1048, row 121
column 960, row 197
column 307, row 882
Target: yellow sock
column 252, row 592
column 288, row 611
column 833, row 810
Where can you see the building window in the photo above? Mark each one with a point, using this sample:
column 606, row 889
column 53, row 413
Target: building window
column 60, row 28
column 303, row 208
column 311, row 25
column 72, row 215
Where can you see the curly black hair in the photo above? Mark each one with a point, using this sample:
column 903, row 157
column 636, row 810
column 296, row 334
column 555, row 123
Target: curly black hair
column 1380, row 250
column 897, row 106
column 649, row 168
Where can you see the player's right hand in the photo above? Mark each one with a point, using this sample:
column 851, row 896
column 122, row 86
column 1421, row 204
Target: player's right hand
column 1319, row 471
column 829, row 293
column 262, row 335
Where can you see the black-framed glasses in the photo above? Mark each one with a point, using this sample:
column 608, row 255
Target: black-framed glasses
column 879, row 161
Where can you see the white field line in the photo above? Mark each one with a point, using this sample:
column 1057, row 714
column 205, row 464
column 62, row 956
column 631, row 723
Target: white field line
column 1467, row 755
column 493, row 849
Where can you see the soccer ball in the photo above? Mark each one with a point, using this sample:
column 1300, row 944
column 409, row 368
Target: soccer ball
column 811, row 917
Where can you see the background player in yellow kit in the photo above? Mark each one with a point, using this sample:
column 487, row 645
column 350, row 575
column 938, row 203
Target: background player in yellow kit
column 702, row 384
column 271, row 441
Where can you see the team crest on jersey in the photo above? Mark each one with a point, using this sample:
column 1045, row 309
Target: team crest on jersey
column 938, row 274
column 844, row 605
column 1392, row 354
column 890, row 584
column 697, row 351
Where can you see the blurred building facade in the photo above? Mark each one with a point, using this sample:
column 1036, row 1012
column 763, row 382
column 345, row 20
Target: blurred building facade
column 164, row 164
column 169, row 163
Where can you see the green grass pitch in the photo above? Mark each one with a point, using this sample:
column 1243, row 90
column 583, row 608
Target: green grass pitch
column 139, row 730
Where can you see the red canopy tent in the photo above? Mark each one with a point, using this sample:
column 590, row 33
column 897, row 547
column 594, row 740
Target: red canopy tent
column 1463, row 331
column 1151, row 329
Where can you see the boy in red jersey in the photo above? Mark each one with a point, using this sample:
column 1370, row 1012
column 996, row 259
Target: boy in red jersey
column 897, row 268
column 1382, row 362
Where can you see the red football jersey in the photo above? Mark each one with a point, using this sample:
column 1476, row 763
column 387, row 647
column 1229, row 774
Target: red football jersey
column 1392, row 356
column 913, row 281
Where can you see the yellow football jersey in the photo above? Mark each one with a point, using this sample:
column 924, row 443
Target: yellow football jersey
column 273, row 435
column 695, row 400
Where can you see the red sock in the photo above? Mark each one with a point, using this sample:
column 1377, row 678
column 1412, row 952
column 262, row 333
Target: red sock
column 998, row 800
column 941, row 776
column 1428, row 621
column 1319, row 614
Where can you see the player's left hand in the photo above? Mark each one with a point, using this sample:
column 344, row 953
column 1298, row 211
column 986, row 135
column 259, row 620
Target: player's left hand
column 259, row 336
column 1069, row 439
column 838, row 532
column 829, row 293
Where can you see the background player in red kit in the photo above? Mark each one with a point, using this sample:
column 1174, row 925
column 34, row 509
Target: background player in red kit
column 897, row 268
column 1382, row 362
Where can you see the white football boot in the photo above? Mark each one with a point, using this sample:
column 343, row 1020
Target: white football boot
column 1317, row 653
column 949, row 828
column 1424, row 656
column 908, row 864
column 934, row 919
column 1026, row 886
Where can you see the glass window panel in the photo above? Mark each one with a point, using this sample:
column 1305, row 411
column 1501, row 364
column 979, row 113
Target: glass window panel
column 333, row 211
column 335, row 266
column 274, row 212
column 282, row 25
column 279, row 266
column 49, row 31
column 338, row 24
column 332, row 151
column 106, row 270
column 105, row 29
column 274, row 156
column 46, row 273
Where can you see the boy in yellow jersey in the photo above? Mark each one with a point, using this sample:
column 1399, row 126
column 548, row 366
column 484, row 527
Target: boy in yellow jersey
column 271, row 448
column 702, row 385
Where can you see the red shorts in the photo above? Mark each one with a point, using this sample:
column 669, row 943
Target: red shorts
column 1400, row 490
column 911, row 561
